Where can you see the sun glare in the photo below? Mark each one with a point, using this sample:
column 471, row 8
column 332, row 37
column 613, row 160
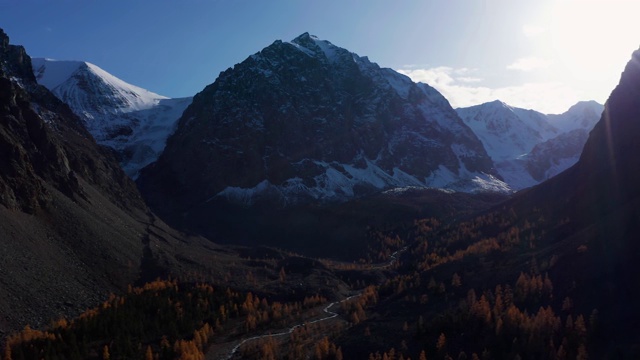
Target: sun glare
column 589, row 37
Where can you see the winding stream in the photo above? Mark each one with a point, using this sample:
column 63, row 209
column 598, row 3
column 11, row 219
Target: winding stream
column 330, row 314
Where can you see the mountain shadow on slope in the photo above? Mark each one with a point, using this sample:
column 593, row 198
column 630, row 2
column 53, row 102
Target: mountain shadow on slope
column 340, row 231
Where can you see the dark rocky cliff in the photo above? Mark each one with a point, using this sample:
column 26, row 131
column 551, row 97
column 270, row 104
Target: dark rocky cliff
column 72, row 224
column 599, row 202
column 43, row 141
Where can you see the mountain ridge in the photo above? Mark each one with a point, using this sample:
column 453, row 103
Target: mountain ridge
column 527, row 146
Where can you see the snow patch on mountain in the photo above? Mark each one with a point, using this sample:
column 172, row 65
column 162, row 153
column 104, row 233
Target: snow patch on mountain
column 67, row 78
column 340, row 181
column 327, row 48
column 400, row 83
column 133, row 121
column 467, row 181
column 58, row 71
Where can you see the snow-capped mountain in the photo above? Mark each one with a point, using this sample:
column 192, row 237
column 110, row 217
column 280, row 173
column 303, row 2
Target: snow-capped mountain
column 306, row 120
column 583, row 115
column 507, row 132
column 529, row 147
column 133, row 121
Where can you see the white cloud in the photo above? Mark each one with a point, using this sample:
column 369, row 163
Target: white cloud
column 462, row 71
column 529, row 63
column 469, row 79
column 437, row 75
column 546, row 97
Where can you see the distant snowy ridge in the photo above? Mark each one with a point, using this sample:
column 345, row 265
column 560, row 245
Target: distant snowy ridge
column 529, row 147
column 133, row 121
column 507, row 132
column 583, row 115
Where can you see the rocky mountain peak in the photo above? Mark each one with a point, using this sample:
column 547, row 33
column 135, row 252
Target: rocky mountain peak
column 498, row 104
column 306, row 40
column 14, row 61
column 4, row 40
column 304, row 37
column 307, row 121
column 585, row 106
column 321, row 48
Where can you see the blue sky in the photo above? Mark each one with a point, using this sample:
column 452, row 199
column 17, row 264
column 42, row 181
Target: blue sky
column 539, row 54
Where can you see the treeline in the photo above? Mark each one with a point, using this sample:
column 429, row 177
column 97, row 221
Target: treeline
column 163, row 319
column 303, row 343
column 494, row 324
column 453, row 281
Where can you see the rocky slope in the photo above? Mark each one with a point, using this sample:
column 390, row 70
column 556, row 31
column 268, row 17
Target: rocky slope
column 307, row 121
column 133, row 121
column 549, row 158
column 529, row 147
column 73, row 226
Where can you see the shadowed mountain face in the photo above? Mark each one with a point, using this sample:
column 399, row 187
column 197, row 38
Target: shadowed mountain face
column 306, row 121
column 68, row 228
column 608, row 173
column 599, row 198
column 610, row 153
column 73, row 227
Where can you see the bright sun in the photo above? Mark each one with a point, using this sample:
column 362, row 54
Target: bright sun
column 586, row 37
